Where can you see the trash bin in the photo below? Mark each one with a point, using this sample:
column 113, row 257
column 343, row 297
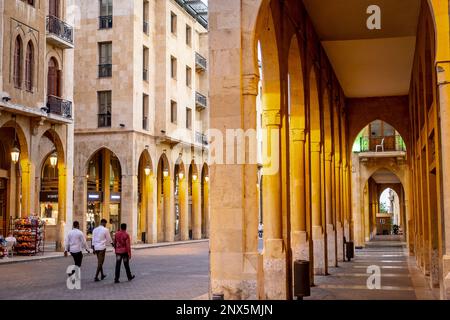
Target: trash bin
column 144, row 237
column 350, row 250
column 218, row 296
column 302, row 286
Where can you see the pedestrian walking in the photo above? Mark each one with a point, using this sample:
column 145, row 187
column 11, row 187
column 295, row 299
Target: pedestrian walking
column 75, row 242
column 122, row 246
column 100, row 239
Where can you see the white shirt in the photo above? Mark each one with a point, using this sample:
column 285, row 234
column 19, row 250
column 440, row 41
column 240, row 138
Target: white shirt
column 101, row 238
column 75, row 241
column 11, row 239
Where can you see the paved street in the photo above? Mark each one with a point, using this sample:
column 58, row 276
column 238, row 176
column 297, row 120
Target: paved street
column 175, row 272
column 400, row 278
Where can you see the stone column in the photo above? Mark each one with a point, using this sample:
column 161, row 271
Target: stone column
column 106, row 186
column 196, row 210
column 184, row 210
column 26, row 188
column 274, row 256
column 152, row 210
column 169, row 210
column 129, row 203
column 61, row 223
column 205, row 208
column 331, row 235
column 318, row 236
column 444, row 97
column 339, row 225
column 80, row 202
column 299, row 238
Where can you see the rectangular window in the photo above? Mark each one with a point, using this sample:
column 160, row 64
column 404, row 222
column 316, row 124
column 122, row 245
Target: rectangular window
column 145, row 112
column 146, row 17
column 145, row 64
column 188, row 35
column 188, row 118
column 106, row 14
column 188, row 76
column 105, row 59
column 173, row 23
column 173, row 67
column 104, row 109
column 173, row 112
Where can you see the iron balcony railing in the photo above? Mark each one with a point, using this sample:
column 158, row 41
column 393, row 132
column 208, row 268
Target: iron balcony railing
column 145, row 74
column 384, row 143
column 201, row 101
column 58, row 106
column 201, row 138
column 104, row 120
column 105, row 70
column 200, row 62
column 146, row 27
column 105, row 22
column 60, row 29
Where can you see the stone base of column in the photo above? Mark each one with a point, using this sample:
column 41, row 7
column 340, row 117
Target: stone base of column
column 300, row 245
column 445, row 290
column 331, row 239
column 318, row 238
column 60, row 236
column 274, row 264
column 340, row 242
column 234, row 289
column 434, row 273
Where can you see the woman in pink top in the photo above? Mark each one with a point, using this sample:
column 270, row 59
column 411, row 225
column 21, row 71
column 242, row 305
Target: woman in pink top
column 122, row 245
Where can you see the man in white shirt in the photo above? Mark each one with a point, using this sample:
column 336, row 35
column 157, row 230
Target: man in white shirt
column 100, row 239
column 75, row 243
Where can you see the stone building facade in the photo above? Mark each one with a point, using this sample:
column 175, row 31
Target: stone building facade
column 36, row 120
column 324, row 78
column 140, row 144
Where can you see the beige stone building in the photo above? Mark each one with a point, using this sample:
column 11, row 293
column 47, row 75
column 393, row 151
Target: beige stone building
column 140, row 145
column 36, row 126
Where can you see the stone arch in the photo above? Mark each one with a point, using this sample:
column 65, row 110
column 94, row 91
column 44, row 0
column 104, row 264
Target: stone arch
column 54, row 137
column 314, row 109
column 397, row 172
column 21, row 138
column 327, row 122
column 96, row 150
column 296, row 86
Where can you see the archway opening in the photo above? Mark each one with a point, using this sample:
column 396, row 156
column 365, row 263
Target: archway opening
column 104, row 190
column 165, row 227
column 145, row 196
column 379, row 136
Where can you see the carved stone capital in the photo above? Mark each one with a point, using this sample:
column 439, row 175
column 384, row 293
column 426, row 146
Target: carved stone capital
column 298, row 135
column 250, row 84
column 271, row 118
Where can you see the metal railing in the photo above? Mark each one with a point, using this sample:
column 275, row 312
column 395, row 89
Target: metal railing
column 200, row 101
column 58, row 106
column 146, row 28
column 105, row 22
column 60, row 29
column 104, row 120
column 145, row 74
column 200, row 62
column 105, row 70
column 201, row 138
column 391, row 143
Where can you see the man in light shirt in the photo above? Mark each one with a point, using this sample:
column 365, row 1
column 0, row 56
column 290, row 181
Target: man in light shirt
column 75, row 243
column 100, row 239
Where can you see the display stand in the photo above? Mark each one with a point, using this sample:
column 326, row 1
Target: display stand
column 30, row 236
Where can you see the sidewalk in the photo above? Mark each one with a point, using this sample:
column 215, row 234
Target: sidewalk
column 50, row 252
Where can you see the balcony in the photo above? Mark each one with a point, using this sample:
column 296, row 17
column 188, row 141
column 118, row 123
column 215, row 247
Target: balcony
column 105, row 70
column 200, row 62
column 105, row 22
column 59, row 33
column 59, row 107
column 382, row 147
column 201, row 139
column 145, row 74
column 201, row 102
column 104, row 120
column 146, row 28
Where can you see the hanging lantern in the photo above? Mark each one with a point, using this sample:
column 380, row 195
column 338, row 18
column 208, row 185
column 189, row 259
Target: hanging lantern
column 147, row 170
column 206, row 178
column 181, row 175
column 166, row 173
column 54, row 159
column 15, row 154
column 194, row 177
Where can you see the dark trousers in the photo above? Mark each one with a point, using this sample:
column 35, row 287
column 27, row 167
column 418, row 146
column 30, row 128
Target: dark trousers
column 126, row 263
column 77, row 258
column 100, row 261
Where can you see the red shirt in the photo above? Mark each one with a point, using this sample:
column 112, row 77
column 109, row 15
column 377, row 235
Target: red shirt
column 122, row 242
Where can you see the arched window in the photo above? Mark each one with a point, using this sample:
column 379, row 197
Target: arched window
column 29, row 67
column 53, row 78
column 18, row 63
